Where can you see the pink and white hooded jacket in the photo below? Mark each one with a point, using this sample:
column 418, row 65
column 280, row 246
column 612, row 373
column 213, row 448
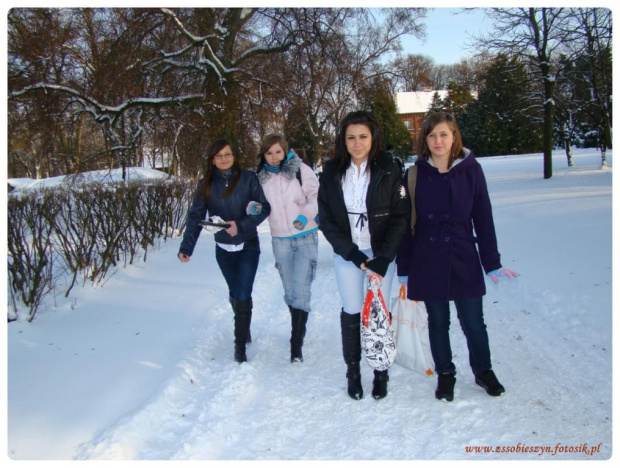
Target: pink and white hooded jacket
column 291, row 201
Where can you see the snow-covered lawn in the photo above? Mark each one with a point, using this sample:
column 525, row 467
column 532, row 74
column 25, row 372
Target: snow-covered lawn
column 142, row 368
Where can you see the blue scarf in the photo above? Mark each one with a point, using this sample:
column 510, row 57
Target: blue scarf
column 276, row 169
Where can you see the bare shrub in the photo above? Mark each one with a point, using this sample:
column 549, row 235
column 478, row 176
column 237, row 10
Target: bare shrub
column 82, row 231
column 30, row 254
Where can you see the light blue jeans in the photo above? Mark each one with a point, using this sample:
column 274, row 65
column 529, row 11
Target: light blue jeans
column 353, row 283
column 296, row 260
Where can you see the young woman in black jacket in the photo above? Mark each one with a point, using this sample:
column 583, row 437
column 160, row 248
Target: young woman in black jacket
column 363, row 215
column 226, row 191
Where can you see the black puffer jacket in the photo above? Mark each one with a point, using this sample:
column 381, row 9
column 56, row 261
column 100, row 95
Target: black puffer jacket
column 231, row 208
column 385, row 202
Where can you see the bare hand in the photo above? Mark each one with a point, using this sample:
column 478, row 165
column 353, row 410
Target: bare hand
column 232, row 230
column 184, row 258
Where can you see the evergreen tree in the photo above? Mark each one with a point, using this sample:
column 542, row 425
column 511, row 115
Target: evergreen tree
column 458, row 97
column 437, row 104
column 378, row 98
column 504, row 119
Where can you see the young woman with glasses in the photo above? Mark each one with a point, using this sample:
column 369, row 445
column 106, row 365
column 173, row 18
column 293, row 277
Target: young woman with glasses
column 226, row 190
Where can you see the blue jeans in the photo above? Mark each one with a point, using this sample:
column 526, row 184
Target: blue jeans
column 353, row 283
column 296, row 260
column 239, row 268
column 470, row 316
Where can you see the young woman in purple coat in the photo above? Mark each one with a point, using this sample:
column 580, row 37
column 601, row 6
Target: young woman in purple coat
column 454, row 241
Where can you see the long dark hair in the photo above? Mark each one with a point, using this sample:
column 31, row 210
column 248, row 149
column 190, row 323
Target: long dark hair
column 214, row 148
column 266, row 144
column 342, row 158
column 430, row 122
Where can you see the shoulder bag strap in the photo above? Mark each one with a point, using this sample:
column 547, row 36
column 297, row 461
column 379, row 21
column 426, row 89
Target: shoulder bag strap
column 412, row 178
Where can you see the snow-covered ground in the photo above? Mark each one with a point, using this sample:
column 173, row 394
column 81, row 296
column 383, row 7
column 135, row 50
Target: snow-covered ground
column 142, row 368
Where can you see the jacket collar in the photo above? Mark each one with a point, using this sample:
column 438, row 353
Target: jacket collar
column 464, row 161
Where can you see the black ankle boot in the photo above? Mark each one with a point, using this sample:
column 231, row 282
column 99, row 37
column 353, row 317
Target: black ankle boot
column 379, row 384
column 352, row 353
column 489, row 382
column 445, row 387
column 299, row 318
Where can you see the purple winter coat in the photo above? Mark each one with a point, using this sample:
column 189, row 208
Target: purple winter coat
column 441, row 260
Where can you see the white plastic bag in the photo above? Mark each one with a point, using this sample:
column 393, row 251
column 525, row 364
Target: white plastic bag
column 410, row 322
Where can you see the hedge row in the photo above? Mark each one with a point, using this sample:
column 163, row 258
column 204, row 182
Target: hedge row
column 58, row 237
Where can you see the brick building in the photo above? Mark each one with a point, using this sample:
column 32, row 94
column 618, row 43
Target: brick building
column 412, row 107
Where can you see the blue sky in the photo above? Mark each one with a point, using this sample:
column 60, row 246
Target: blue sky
column 447, row 34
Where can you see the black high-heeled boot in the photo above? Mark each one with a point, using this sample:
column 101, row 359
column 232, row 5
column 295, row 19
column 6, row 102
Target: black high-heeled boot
column 352, row 353
column 299, row 318
column 379, row 384
column 243, row 319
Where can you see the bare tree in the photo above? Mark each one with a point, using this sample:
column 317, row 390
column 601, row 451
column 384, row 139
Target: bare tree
column 594, row 45
column 537, row 36
column 194, row 73
column 321, row 80
column 569, row 110
column 132, row 61
column 415, row 72
column 36, row 54
column 468, row 72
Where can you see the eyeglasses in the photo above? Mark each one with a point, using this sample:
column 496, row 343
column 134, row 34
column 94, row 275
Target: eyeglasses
column 221, row 157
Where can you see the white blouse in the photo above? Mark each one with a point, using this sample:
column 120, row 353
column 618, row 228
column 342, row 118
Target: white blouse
column 354, row 188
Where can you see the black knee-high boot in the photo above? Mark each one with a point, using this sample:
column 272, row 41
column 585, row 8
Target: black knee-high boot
column 299, row 318
column 243, row 318
column 352, row 353
column 233, row 301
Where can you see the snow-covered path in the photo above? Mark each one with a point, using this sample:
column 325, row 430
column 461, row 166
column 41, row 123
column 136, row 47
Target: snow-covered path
column 174, row 392
column 271, row 409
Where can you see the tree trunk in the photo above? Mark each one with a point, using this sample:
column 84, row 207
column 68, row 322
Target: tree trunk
column 569, row 153
column 548, row 132
column 123, row 168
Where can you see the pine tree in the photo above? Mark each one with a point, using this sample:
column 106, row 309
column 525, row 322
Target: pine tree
column 503, row 120
column 458, row 97
column 437, row 104
column 378, row 98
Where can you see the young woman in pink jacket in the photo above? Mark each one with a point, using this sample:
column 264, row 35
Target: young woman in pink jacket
column 291, row 188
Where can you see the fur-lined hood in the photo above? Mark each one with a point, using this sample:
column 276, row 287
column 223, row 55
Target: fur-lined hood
column 289, row 167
